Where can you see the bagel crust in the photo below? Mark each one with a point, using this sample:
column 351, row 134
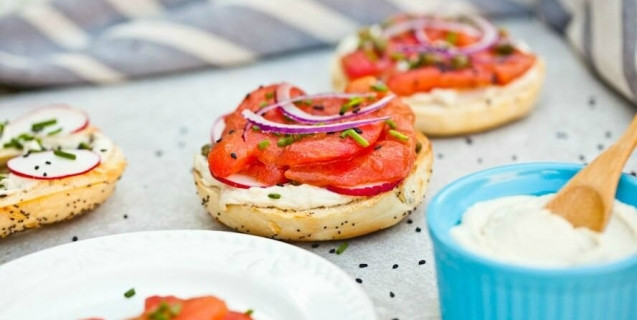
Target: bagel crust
column 361, row 216
column 509, row 103
column 47, row 201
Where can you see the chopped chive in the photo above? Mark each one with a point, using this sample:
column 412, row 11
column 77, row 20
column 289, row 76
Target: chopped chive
column 398, row 135
column 418, row 147
column 63, row 154
column 392, row 125
column 452, row 37
column 205, row 149
column 86, row 146
column 263, row 144
column 341, row 248
column 379, row 87
column 460, row 61
column 175, row 309
column 249, row 312
column 2, row 126
column 26, row 137
column 269, row 95
column 129, row 293
column 286, row 141
column 263, row 104
column 356, row 137
column 274, row 196
column 397, row 56
column 256, row 128
column 354, row 101
column 38, row 126
column 54, row 132
column 308, row 102
column 14, row 143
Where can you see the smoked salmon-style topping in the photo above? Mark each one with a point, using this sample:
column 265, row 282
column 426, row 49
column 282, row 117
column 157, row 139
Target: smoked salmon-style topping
column 201, row 308
column 408, row 65
column 377, row 152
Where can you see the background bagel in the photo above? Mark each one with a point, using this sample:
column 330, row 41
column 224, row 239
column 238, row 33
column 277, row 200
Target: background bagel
column 477, row 115
column 49, row 201
column 356, row 218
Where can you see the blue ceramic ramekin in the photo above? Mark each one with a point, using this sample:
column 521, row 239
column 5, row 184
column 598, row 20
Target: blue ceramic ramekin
column 475, row 287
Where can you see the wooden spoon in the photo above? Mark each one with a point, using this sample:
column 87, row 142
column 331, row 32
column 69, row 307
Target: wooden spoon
column 587, row 199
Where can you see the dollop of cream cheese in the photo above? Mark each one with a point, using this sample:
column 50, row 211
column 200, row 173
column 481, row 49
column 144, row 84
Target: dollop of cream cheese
column 519, row 230
column 299, row 197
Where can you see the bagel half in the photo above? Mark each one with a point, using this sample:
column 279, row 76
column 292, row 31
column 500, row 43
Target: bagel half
column 44, row 202
column 358, row 217
column 472, row 111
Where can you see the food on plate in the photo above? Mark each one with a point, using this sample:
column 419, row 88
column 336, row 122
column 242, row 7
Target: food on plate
column 54, row 165
column 519, row 230
column 305, row 167
column 200, row 308
column 459, row 74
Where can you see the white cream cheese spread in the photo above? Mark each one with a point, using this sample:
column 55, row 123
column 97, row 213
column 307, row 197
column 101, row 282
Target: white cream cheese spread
column 519, row 230
column 291, row 197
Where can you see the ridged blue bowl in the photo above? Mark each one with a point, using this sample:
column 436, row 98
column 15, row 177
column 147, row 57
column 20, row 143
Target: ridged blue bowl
column 474, row 287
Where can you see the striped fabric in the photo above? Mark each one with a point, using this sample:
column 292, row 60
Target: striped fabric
column 66, row 42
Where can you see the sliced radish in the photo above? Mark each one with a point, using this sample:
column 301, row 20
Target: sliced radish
column 217, row 128
column 366, row 190
column 48, row 166
column 240, row 181
column 54, row 119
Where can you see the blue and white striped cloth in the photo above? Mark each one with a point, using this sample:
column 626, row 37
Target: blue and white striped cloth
column 66, row 42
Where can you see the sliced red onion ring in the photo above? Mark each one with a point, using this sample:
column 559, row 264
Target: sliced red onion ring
column 217, row 128
column 366, row 190
column 298, row 115
column 489, row 37
column 240, row 181
column 418, row 26
column 270, row 126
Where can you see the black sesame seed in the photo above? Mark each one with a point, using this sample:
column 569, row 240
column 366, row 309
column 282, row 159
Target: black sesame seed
column 37, row 167
column 359, row 280
column 440, row 156
column 468, row 140
column 421, row 262
column 125, row 216
column 318, row 107
column 233, row 155
column 44, row 174
column 561, row 135
column 633, row 173
column 332, row 250
column 231, row 131
column 391, row 294
column 362, row 265
column 591, row 101
column 409, row 221
column 600, row 147
column 418, row 229
column 357, row 130
column 514, row 157
column 159, row 153
column 479, row 160
column 315, row 245
column 377, row 147
column 395, row 266
column 581, row 157
column 74, row 238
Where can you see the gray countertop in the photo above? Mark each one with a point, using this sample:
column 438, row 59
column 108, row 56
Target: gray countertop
column 161, row 122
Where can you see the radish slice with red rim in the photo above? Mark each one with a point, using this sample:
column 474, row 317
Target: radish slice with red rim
column 48, row 166
column 366, row 190
column 270, row 126
column 217, row 128
column 240, row 181
column 49, row 120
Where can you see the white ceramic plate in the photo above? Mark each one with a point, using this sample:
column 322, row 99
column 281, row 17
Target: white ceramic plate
column 88, row 278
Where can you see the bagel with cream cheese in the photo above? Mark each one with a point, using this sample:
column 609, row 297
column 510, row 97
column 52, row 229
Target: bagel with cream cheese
column 314, row 185
column 54, row 165
column 459, row 74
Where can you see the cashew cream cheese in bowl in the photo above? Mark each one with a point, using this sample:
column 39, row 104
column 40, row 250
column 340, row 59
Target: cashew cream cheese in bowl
column 500, row 256
column 517, row 229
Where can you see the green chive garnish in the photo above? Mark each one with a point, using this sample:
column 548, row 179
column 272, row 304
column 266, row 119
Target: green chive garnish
column 256, row 128
column 356, row 137
column 398, row 135
column 129, row 293
column 379, row 87
column 286, row 141
column 392, row 125
column 352, row 102
column 63, row 154
column 2, row 126
column 26, row 137
column 263, row 104
column 452, row 38
column 175, row 309
column 263, row 144
column 274, row 196
column 249, row 312
column 341, row 248
column 54, row 132
column 269, row 95
column 38, row 126
column 14, row 143
column 205, row 149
